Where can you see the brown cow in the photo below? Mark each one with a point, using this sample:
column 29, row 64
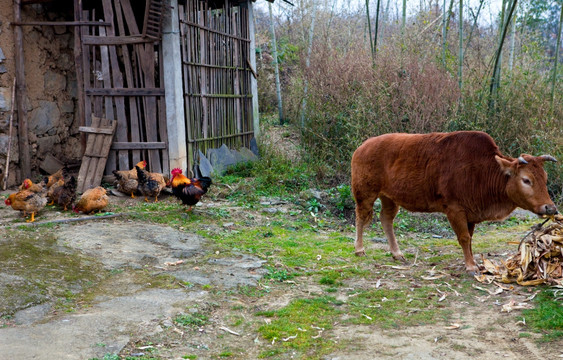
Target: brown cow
column 461, row 174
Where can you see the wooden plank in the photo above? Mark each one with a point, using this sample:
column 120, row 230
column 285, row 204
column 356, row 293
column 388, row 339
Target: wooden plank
column 102, row 150
column 129, row 19
column 86, row 71
column 79, row 66
column 51, row 164
column 146, row 59
column 116, row 40
column 21, row 94
column 133, row 117
column 161, row 117
column 150, row 106
column 117, row 77
column 93, row 130
column 107, row 83
column 85, row 166
column 95, row 156
column 125, row 92
column 137, row 145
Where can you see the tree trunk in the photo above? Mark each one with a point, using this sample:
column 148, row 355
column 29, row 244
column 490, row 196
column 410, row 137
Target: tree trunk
column 276, row 67
column 308, row 63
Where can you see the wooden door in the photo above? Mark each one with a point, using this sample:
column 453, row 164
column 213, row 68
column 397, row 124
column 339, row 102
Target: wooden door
column 122, row 76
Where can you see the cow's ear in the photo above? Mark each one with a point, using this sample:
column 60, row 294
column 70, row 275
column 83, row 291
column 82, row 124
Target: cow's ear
column 508, row 167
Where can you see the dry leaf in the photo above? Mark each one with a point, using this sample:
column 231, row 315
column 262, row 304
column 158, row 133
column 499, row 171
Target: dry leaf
column 452, row 326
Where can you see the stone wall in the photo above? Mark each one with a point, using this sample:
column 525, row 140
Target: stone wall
column 50, row 83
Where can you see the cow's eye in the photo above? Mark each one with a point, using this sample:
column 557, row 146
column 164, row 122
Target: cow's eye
column 526, row 181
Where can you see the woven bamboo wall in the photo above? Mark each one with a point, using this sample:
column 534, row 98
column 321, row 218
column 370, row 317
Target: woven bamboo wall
column 217, row 76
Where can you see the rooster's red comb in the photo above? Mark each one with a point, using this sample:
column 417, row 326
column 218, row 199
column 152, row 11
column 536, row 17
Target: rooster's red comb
column 176, row 171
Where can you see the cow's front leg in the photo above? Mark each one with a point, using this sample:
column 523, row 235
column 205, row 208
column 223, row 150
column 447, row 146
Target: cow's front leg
column 364, row 214
column 388, row 212
column 464, row 232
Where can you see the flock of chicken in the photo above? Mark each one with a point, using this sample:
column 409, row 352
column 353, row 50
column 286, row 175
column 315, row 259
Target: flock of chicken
column 60, row 188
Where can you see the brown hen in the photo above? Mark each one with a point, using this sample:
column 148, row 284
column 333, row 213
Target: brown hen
column 92, row 200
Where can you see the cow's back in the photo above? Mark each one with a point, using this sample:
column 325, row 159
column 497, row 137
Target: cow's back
column 425, row 172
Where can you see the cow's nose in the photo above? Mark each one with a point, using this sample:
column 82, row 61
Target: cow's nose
column 549, row 209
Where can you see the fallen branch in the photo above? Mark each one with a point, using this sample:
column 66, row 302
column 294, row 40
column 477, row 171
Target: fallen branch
column 230, row 331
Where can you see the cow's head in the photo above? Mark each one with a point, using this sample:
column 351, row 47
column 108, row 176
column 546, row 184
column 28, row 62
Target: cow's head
column 527, row 183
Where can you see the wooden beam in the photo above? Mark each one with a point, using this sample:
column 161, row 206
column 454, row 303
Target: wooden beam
column 116, row 40
column 125, row 92
column 59, row 23
column 93, row 130
column 25, row 156
column 138, row 145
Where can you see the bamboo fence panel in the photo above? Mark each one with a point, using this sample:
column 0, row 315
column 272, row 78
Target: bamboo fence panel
column 217, row 92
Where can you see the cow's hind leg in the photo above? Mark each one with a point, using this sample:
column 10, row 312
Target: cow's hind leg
column 389, row 210
column 364, row 214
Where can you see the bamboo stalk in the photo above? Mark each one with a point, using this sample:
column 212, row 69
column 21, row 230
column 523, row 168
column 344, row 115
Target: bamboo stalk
column 496, row 68
column 460, row 67
column 554, row 78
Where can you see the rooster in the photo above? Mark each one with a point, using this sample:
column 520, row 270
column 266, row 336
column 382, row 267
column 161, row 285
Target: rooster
column 28, row 202
column 188, row 190
column 150, row 184
column 92, row 200
column 127, row 179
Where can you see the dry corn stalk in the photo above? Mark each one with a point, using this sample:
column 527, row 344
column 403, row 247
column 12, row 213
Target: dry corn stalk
column 539, row 259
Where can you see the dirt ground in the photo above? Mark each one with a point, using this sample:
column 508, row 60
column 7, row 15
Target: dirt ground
column 129, row 314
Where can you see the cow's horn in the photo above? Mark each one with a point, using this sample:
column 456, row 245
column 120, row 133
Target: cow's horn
column 521, row 160
column 548, row 158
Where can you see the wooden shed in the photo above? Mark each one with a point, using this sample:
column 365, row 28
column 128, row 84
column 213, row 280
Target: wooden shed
column 174, row 77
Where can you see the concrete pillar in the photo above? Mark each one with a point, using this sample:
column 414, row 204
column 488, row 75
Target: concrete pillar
column 174, row 92
column 253, row 80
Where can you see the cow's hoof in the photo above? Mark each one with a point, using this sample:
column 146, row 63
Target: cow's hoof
column 401, row 258
column 473, row 272
column 361, row 252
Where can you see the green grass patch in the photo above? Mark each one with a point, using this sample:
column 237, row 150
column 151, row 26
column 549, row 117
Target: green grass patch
column 547, row 315
column 302, row 317
column 192, row 320
column 392, row 308
column 270, row 176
